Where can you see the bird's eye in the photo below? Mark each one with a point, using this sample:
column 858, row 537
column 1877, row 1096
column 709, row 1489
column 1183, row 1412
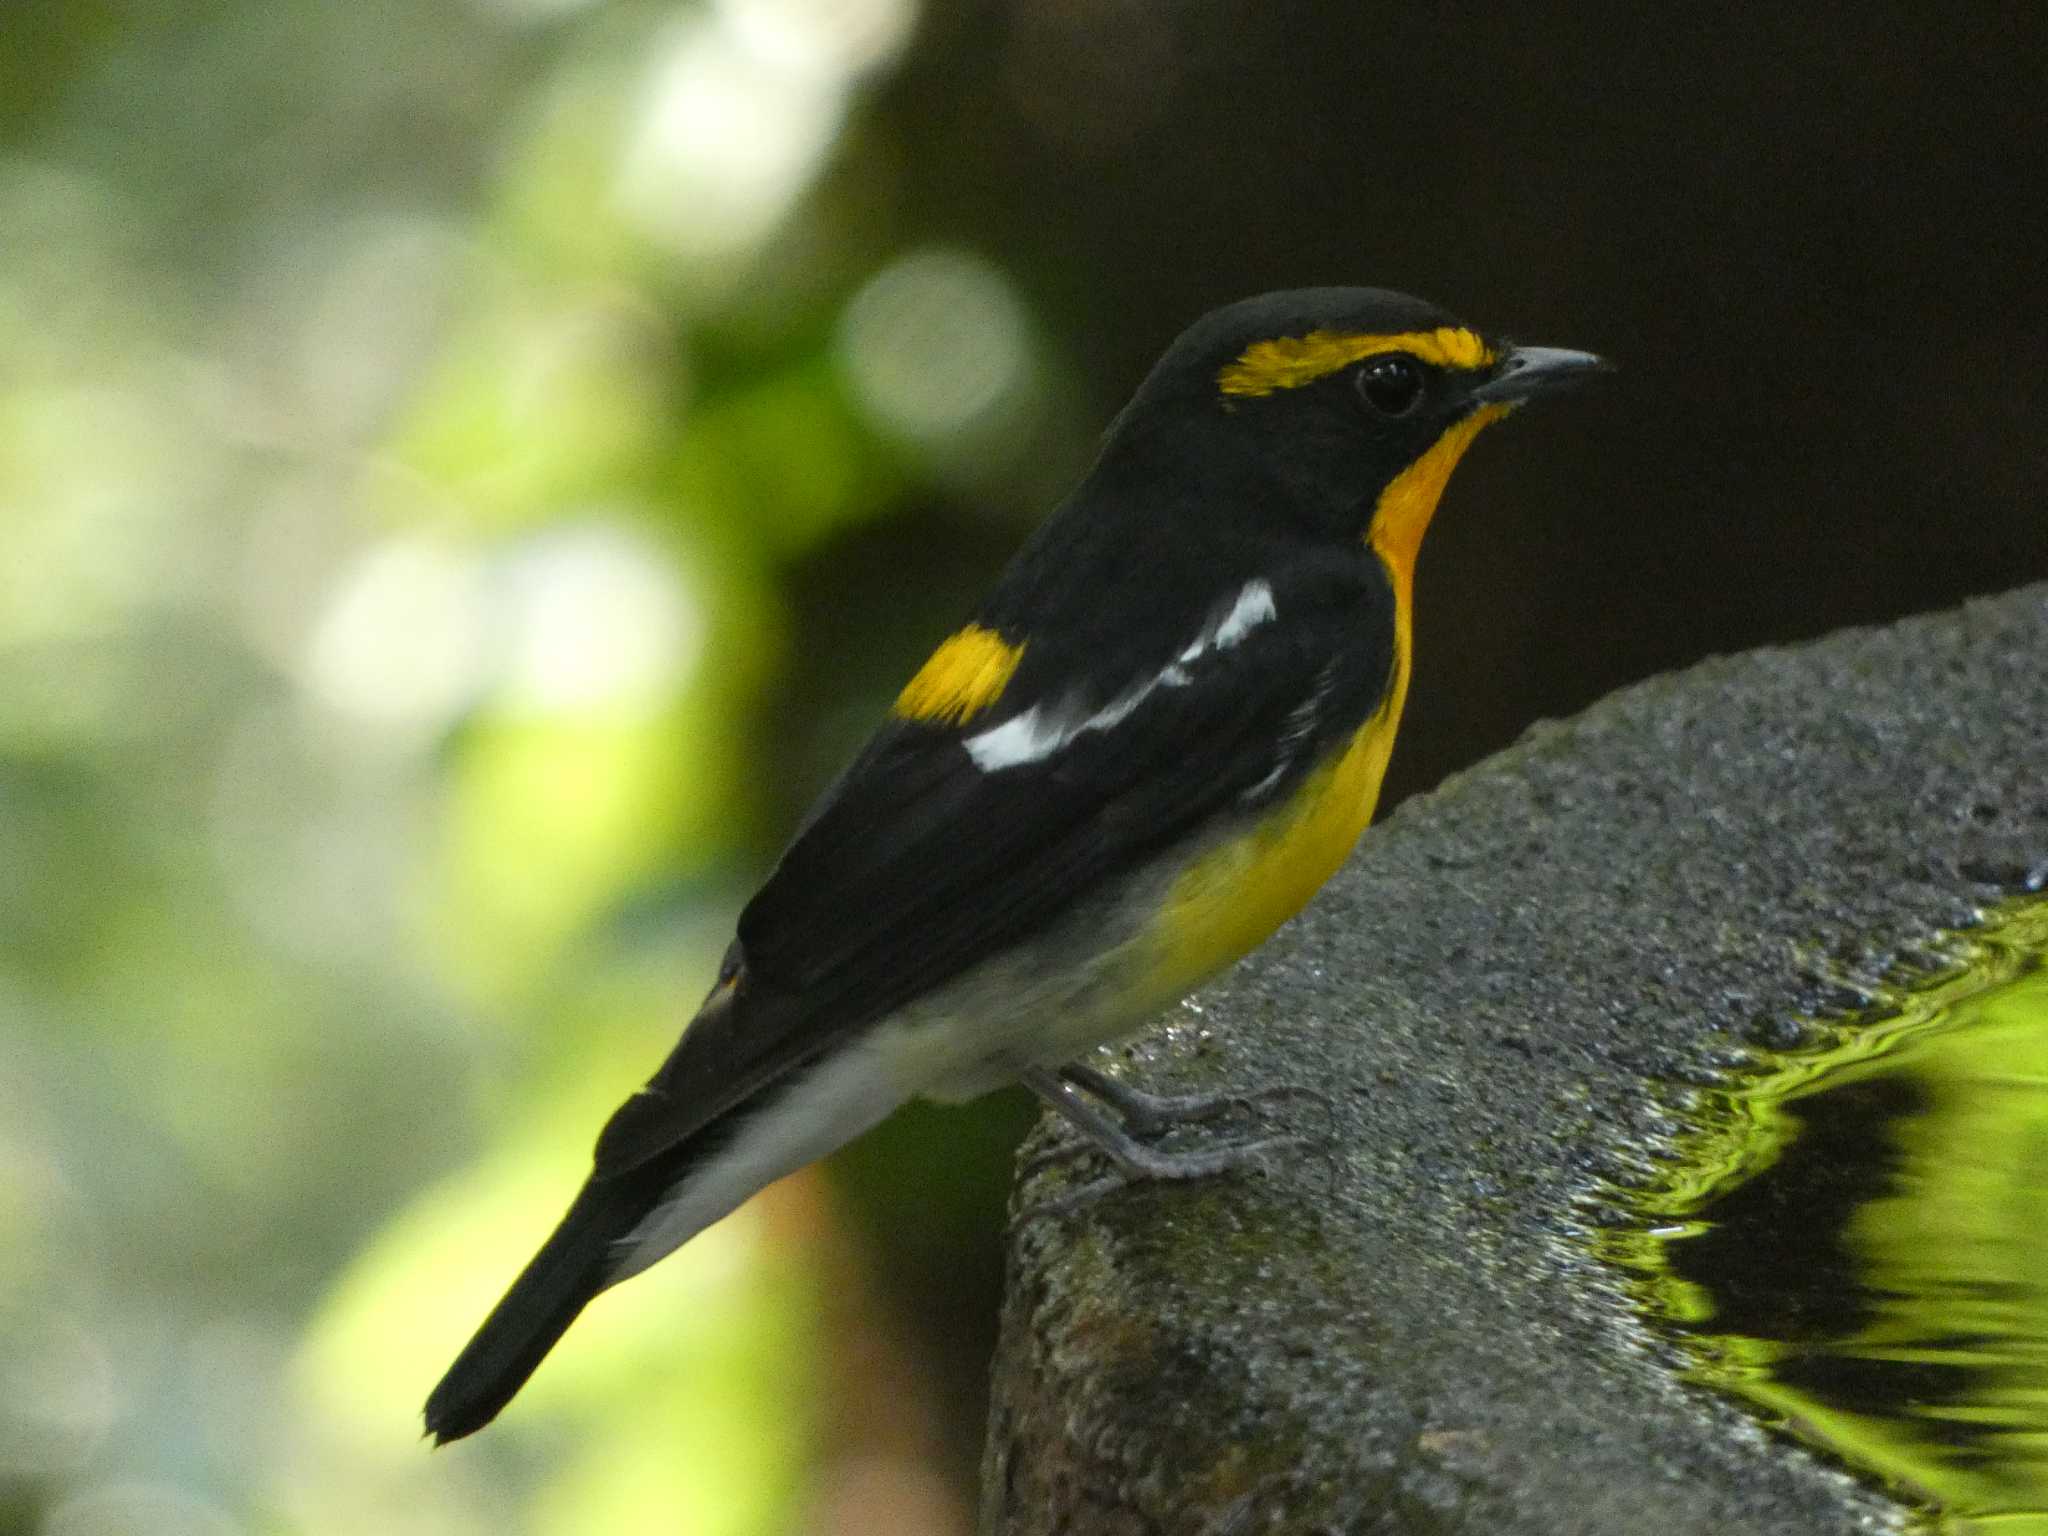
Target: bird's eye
column 1391, row 385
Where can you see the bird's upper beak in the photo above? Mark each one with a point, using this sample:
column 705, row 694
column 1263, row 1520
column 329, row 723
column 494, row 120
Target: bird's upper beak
column 1526, row 371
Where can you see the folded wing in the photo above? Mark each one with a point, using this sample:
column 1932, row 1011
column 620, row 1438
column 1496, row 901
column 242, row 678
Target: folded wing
column 944, row 845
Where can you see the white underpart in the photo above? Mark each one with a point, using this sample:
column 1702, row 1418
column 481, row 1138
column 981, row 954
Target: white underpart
column 851, row 1091
column 1039, row 732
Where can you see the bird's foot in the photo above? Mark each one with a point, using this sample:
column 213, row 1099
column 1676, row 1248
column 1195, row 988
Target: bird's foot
column 1069, row 1091
column 1151, row 1114
column 1141, row 1163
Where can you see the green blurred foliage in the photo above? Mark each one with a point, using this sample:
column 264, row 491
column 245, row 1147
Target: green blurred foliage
column 416, row 425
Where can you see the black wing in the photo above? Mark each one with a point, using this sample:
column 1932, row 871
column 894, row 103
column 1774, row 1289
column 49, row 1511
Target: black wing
column 922, row 862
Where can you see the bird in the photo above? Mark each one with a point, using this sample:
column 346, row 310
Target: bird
column 1150, row 744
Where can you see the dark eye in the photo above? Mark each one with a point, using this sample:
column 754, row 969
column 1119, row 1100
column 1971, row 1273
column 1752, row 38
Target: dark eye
column 1391, row 385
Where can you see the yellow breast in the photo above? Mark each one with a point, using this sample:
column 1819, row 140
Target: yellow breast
column 1232, row 898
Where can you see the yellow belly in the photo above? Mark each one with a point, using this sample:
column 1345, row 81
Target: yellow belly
column 1232, row 898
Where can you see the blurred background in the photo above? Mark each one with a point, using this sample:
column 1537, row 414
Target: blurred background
column 470, row 470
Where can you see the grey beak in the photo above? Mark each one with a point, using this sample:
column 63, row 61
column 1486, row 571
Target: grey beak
column 1527, row 371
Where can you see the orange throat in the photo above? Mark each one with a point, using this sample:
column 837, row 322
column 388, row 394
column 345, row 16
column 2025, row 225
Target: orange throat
column 1399, row 522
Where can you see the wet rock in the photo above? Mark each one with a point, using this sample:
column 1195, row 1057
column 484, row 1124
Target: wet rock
column 1403, row 1330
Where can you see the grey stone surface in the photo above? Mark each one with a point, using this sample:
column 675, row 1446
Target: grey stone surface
column 1405, row 1332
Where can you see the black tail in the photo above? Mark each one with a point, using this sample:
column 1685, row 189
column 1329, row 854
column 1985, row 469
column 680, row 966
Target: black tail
column 654, row 1143
column 562, row 1279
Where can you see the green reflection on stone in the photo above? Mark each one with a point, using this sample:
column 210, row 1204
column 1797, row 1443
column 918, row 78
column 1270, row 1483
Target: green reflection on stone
column 1854, row 1237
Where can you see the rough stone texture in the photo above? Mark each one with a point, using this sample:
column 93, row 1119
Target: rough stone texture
column 1405, row 1332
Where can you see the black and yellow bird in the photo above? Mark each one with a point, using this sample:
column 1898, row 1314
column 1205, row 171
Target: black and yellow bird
column 1160, row 733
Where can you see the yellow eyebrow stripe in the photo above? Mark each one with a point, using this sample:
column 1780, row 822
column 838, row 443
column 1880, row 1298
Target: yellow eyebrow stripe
column 965, row 675
column 1288, row 362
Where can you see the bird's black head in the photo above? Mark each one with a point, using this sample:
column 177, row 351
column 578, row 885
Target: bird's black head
column 1355, row 403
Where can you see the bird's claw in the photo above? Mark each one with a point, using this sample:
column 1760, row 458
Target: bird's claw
column 1142, row 1165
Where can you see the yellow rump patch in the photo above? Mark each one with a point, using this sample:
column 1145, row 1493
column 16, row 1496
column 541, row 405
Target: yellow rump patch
column 1288, row 362
column 965, row 675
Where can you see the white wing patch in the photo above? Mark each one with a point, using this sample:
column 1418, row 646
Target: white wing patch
column 1023, row 739
column 1301, row 724
column 1039, row 732
column 1254, row 606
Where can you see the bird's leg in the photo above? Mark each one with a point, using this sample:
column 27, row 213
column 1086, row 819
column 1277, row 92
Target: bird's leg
column 1148, row 1114
column 1132, row 1157
column 1144, row 1115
